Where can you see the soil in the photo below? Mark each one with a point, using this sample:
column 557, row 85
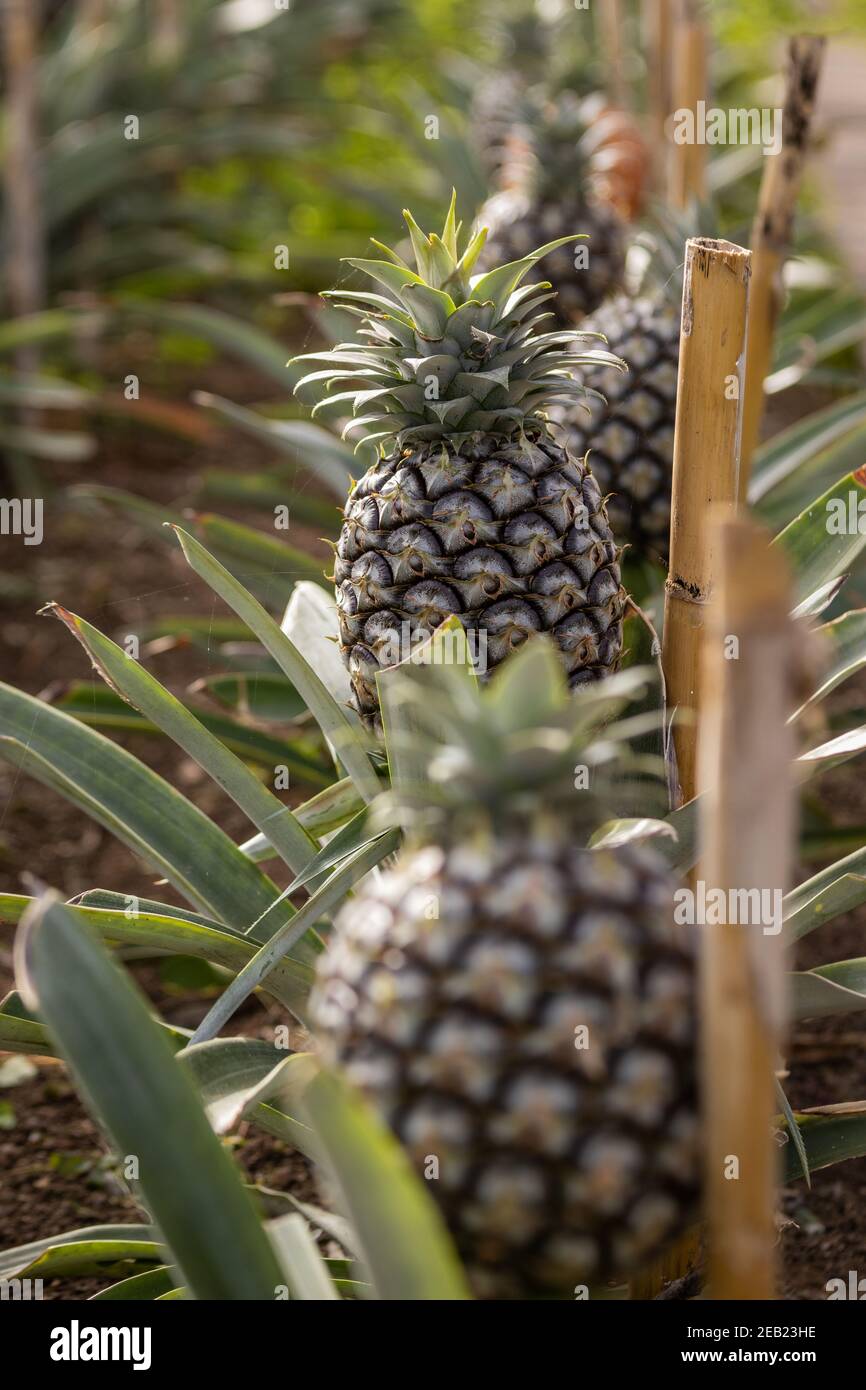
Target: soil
column 55, row 1172
column 54, row 1169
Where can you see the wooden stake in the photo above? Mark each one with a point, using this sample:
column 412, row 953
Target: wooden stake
column 706, row 462
column 167, row 30
column 771, row 232
column 24, row 254
column 706, row 454
column 658, row 37
column 747, row 834
column 610, row 41
column 687, row 161
column 90, row 14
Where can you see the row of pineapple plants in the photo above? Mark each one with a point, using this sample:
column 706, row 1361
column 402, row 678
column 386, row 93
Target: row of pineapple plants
column 447, row 990
column 548, row 140
column 563, row 158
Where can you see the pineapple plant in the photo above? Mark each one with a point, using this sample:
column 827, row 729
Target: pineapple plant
column 629, row 425
column 570, row 165
column 521, row 53
column 496, row 105
column 73, row 1000
column 515, row 1005
column 470, row 506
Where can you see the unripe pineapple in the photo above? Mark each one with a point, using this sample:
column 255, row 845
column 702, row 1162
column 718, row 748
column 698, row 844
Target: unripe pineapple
column 471, row 508
column 569, row 165
column 517, row 1007
column 532, row 53
column 629, row 427
column 496, row 107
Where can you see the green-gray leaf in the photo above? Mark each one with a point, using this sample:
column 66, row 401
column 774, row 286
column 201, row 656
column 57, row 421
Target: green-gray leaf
column 129, row 1074
column 346, row 737
column 142, row 810
column 405, row 1246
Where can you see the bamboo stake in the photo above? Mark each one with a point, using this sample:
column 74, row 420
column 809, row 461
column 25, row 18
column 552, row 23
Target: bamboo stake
column 747, row 834
column 167, row 30
column 658, row 37
column 687, row 161
column 771, row 231
column 706, row 457
column 25, row 262
column 91, row 14
column 706, row 463
column 611, row 45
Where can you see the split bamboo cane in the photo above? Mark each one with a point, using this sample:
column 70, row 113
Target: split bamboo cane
column 706, row 463
column 658, row 38
column 706, row 460
column 747, row 831
column 687, row 161
column 167, row 30
column 610, row 42
column 771, row 232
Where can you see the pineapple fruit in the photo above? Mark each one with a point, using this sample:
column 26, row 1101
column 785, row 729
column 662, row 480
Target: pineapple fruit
column 569, row 166
column 629, row 426
column 517, row 1007
column 470, row 506
column 496, row 105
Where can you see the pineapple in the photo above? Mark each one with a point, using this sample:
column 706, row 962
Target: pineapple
column 496, row 108
column 571, row 166
column 518, row 53
column 630, row 426
column 517, row 1007
column 473, row 508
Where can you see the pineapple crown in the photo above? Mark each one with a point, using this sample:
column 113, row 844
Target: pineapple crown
column 521, row 747
column 580, row 144
column 552, row 138
column 447, row 354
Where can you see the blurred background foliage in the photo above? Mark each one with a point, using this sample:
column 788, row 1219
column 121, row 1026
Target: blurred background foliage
column 306, row 125
column 756, row 28
column 257, row 126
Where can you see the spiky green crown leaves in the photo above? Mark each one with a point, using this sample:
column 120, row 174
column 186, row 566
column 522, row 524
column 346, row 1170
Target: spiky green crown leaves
column 461, row 752
column 444, row 353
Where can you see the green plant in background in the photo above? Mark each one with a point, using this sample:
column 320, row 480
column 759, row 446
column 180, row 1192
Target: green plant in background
column 153, row 136
column 756, row 31
column 24, row 391
column 474, row 509
column 153, row 129
column 133, row 118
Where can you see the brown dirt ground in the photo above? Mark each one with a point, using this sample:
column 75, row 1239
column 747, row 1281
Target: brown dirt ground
column 53, row 1173
column 53, row 1159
